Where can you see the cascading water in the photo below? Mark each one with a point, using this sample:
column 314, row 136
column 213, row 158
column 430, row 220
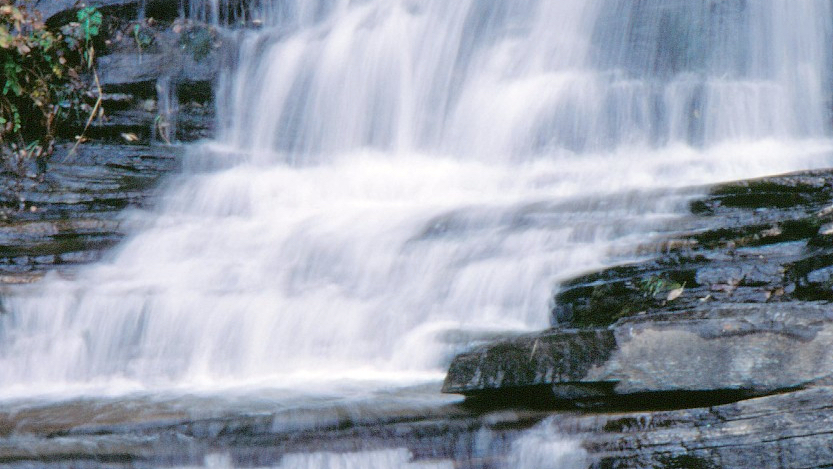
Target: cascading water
column 395, row 178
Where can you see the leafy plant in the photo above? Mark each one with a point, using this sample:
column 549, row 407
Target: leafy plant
column 89, row 21
column 40, row 72
column 143, row 37
column 198, row 40
column 654, row 286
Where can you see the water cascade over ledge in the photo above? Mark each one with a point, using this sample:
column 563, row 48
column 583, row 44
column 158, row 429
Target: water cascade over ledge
column 394, row 180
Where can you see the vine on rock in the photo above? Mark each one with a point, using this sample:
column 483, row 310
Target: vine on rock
column 41, row 76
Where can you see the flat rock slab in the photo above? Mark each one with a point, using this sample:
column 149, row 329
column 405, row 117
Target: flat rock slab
column 758, row 348
column 791, row 430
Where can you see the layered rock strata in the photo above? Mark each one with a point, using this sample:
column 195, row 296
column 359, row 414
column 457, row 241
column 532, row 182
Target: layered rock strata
column 713, row 353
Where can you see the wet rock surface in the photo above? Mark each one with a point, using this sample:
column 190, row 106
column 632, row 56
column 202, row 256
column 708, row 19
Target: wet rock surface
column 156, row 90
column 71, row 214
column 749, row 270
column 729, row 322
column 789, row 430
column 747, row 348
column 90, row 434
column 56, row 11
column 762, row 241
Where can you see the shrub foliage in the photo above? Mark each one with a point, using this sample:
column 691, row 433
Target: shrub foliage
column 40, row 74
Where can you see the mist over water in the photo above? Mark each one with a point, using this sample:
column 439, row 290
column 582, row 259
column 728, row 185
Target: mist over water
column 395, row 179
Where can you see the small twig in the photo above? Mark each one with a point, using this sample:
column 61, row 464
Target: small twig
column 92, row 114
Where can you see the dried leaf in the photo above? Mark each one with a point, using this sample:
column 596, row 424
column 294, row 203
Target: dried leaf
column 675, row 293
column 130, row 137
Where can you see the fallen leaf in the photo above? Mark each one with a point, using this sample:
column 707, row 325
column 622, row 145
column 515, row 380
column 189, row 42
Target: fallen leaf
column 675, row 293
column 774, row 231
column 130, row 137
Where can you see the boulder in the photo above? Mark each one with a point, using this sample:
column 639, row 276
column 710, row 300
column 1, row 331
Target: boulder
column 754, row 348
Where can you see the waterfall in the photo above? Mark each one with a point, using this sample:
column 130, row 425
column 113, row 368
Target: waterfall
column 396, row 179
column 513, row 81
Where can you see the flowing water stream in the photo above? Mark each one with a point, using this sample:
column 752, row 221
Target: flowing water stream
column 395, row 180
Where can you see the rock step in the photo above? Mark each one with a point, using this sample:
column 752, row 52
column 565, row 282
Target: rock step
column 763, row 241
column 70, row 216
column 754, row 348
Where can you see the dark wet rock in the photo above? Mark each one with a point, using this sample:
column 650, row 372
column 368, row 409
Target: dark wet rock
column 173, row 54
column 70, row 215
column 192, row 121
column 549, row 358
column 760, row 241
column 791, row 430
column 732, row 305
column 166, row 86
column 92, row 434
column 140, row 72
column 61, row 11
column 699, row 315
column 66, row 211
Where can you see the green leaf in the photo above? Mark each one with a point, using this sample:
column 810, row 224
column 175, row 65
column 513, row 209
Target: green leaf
column 5, row 37
column 90, row 19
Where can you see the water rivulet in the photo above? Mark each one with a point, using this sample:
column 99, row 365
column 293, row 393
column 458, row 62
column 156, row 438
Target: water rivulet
column 394, row 180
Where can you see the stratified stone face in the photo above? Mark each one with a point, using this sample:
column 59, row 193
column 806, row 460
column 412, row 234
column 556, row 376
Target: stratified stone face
column 790, row 430
column 737, row 299
column 539, row 359
column 767, row 240
column 758, row 348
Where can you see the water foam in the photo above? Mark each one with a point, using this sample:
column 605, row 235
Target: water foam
column 396, row 178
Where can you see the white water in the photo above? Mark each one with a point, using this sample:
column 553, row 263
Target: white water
column 396, row 177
